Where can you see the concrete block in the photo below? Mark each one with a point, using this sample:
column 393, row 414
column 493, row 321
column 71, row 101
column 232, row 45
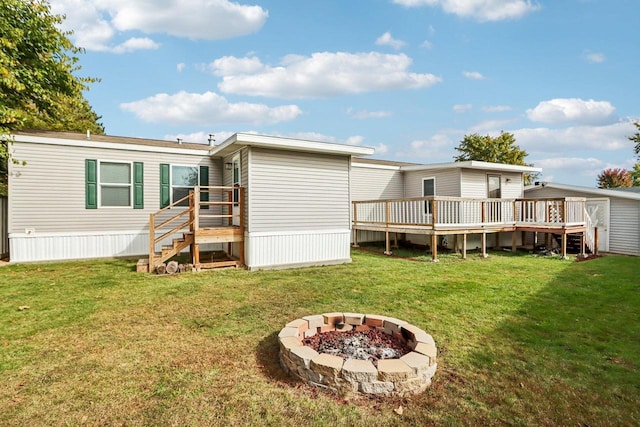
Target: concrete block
column 419, row 363
column 315, row 321
column 355, row 370
column 302, row 356
column 393, row 370
column 353, row 318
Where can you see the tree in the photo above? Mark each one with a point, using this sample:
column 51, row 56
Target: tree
column 501, row 149
column 38, row 85
column 636, row 138
column 614, row 178
column 635, row 175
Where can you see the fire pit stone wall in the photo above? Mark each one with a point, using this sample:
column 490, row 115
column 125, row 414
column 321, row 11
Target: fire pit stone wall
column 410, row 373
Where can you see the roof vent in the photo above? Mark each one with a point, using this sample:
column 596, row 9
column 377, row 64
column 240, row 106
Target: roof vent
column 88, row 134
column 211, row 139
column 179, row 140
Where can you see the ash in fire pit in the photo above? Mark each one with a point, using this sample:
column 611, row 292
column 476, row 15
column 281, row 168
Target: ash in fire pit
column 353, row 352
column 370, row 345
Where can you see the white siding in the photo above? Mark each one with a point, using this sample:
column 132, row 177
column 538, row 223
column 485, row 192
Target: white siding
column 297, row 249
column 447, row 182
column 48, row 194
column 298, row 191
column 371, row 183
column 474, row 184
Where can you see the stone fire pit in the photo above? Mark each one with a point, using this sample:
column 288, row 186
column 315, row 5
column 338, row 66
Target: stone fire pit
column 378, row 371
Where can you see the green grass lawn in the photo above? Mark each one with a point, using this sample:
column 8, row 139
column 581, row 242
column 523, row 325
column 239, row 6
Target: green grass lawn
column 522, row 340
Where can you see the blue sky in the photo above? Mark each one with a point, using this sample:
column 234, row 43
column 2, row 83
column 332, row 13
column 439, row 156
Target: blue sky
column 408, row 77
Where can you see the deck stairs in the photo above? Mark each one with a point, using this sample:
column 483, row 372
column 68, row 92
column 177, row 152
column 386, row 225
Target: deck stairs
column 177, row 246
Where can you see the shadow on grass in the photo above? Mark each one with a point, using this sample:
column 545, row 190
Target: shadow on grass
column 268, row 357
column 570, row 355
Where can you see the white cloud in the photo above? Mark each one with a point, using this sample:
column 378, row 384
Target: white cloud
column 572, row 110
column 492, row 127
column 496, row 108
column 134, row 44
column 180, row 66
column 97, row 22
column 481, row 10
column 462, row 108
column 610, row 137
column 438, row 148
column 322, row 74
column 426, row 44
column 364, row 114
column 230, row 65
column 473, row 75
column 594, row 57
column 206, row 109
column 387, row 40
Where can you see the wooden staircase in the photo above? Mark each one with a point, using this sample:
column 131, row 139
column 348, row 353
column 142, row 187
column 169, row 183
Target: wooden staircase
column 174, row 249
column 223, row 206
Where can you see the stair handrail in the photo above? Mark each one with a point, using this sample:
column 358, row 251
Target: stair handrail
column 591, row 233
column 153, row 228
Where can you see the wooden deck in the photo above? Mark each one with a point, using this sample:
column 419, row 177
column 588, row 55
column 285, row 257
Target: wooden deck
column 440, row 216
column 213, row 215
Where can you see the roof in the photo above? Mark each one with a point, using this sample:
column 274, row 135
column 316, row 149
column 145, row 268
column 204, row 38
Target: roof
column 237, row 140
column 601, row 192
column 91, row 139
column 627, row 189
column 473, row 164
column 382, row 162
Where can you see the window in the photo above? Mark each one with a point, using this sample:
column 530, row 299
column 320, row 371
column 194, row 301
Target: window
column 114, row 184
column 183, row 180
column 428, row 190
column 494, row 190
column 176, row 181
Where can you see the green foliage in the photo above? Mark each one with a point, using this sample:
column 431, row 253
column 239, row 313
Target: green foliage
column 635, row 175
column 613, row 178
column 38, row 85
column 636, row 138
column 501, row 149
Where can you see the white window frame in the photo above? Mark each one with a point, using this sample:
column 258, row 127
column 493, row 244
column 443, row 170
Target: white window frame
column 427, row 211
column 100, row 183
column 171, row 186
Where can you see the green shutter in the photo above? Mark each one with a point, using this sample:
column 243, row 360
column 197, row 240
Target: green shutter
column 165, row 186
column 138, row 185
column 204, row 182
column 91, row 183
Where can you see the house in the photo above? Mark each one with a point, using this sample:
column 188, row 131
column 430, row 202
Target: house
column 615, row 213
column 263, row 201
column 89, row 196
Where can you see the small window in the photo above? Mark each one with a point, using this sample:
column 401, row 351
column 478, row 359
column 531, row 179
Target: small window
column 183, row 180
column 428, row 190
column 115, row 184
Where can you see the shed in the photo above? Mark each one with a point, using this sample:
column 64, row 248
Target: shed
column 615, row 213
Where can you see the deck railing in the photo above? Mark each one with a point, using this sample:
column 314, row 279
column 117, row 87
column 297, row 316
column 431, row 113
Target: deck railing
column 453, row 211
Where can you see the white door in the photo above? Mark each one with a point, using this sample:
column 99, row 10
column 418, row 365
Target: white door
column 237, row 173
column 598, row 210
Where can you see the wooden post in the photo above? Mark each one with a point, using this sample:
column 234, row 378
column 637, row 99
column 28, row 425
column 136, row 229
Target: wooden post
column 595, row 241
column 484, row 211
column 464, row 246
column 355, row 224
column 194, row 207
column 583, row 245
column 455, row 243
column 484, row 244
column 434, row 248
column 435, row 212
column 387, row 213
column 387, row 250
column 564, row 245
column 152, row 238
